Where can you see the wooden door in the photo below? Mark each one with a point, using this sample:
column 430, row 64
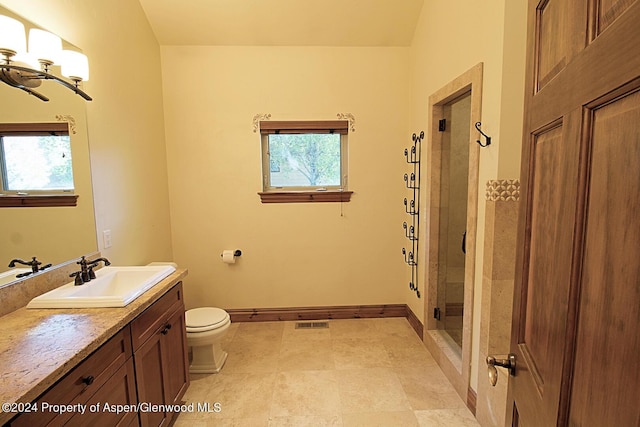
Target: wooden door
column 577, row 295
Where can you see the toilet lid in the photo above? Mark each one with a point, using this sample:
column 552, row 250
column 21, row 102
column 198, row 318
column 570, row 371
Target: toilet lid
column 205, row 318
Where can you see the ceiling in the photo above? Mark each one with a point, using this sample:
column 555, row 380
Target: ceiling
column 283, row 22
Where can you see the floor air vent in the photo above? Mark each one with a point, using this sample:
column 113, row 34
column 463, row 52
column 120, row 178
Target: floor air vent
column 312, row 325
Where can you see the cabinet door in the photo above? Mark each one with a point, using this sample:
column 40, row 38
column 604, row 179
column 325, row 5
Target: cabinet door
column 177, row 368
column 151, row 379
column 155, row 316
column 161, row 368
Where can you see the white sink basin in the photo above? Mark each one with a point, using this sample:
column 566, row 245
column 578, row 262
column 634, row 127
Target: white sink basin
column 112, row 287
column 10, row 275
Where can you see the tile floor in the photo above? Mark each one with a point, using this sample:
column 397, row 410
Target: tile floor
column 360, row 372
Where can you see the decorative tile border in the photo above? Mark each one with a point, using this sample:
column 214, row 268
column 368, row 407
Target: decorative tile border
column 503, row 189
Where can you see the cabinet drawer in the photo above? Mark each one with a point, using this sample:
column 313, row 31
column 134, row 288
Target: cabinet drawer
column 154, row 317
column 82, row 382
column 119, row 391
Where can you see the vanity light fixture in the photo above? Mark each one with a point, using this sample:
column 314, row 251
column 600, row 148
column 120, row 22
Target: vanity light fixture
column 18, row 67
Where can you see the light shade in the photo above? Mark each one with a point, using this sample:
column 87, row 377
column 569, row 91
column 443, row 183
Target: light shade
column 12, row 35
column 74, row 65
column 26, row 59
column 44, row 45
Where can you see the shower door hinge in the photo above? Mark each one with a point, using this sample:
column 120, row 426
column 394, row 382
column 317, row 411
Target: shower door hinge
column 436, row 313
column 442, row 125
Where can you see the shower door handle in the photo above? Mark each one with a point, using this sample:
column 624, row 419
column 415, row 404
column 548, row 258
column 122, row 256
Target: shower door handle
column 464, row 242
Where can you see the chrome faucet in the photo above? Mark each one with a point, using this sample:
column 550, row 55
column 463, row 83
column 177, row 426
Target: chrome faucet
column 86, row 273
column 34, row 264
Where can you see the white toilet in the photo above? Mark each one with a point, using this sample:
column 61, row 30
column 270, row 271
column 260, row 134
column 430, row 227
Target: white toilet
column 206, row 326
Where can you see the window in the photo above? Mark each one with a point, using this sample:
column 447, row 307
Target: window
column 36, row 165
column 304, row 161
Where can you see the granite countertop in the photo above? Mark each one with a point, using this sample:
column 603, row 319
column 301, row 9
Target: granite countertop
column 39, row 346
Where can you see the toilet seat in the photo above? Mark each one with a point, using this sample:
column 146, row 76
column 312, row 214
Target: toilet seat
column 205, row 319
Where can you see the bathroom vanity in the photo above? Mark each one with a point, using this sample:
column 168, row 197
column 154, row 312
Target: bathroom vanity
column 120, row 366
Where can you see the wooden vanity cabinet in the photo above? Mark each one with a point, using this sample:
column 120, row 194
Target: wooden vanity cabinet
column 146, row 362
column 160, row 356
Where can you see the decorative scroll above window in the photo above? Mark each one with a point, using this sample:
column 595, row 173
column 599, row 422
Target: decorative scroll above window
column 350, row 118
column 258, row 118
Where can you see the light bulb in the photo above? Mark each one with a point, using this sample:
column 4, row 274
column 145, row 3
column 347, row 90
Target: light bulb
column 74, row 65
column 45, row 46
column 26, row 59
column 12, row 36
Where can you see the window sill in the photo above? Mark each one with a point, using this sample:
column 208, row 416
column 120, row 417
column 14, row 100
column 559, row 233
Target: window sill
column 49, row 200
column 305, row 196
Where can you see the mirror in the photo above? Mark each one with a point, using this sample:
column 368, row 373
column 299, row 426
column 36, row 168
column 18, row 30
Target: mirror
column 52, row 234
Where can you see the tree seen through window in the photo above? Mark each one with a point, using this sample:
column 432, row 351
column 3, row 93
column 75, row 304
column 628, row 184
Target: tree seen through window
column 304, row 159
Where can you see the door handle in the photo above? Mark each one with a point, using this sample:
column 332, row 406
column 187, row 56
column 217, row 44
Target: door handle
column 464, row 242
column 492, row 362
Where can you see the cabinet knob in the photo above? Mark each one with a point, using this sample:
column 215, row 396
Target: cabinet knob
column 165, row 331
column 88, row 380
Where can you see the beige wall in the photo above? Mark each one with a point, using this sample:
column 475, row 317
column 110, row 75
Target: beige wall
column 452, row 37
column 333, row 254
column 125, row 120
column 293, row 254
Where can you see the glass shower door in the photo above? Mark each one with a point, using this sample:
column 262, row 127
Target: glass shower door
column 454, row 177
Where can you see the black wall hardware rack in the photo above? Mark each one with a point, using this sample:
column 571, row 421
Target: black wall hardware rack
column 412, row 208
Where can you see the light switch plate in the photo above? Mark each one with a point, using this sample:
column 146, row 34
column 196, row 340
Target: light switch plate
column 106, row 238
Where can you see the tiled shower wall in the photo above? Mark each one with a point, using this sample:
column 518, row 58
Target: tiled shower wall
column 501, row 219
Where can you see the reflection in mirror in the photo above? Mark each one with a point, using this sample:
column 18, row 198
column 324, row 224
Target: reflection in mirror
column 59, row 233
column 35, row 159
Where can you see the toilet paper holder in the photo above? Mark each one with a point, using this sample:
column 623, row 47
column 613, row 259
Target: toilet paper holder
column 237, row 252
